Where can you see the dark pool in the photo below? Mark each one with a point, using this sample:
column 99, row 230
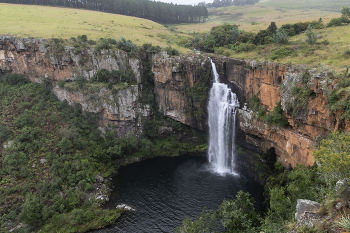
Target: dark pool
column 165, row 190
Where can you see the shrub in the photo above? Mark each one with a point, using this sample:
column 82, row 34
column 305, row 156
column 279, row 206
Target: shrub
column 80, row 80
column 126, row 45
column 65, row 145
column 4, row 132
column 281, row 37
column 239, row 215
column 26, row 119
column 15, row 79
column 146, row 146
column 31, row 211
column 235, row 34
column 281, row 53
column 242, row 47
column 171, row 51
column 312, row 36
column 338, row 21
column 275, row 117
column 61, row 83
column 333, row 157
column 103, row 75
column 345, row 12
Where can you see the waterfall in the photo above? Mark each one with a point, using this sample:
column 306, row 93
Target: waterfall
column 222, row 114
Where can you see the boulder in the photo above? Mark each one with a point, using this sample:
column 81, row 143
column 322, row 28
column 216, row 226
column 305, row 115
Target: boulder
column 99, row 179
column 341, row 186
column 306, row 206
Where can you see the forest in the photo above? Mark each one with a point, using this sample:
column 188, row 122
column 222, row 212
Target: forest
column 224, row 3
column 156, row 11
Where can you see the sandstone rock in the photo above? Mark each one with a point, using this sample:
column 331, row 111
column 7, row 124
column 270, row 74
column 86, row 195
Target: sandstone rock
column 43, row 161
column 20, row 45
column 306, row 206
column 308, row 220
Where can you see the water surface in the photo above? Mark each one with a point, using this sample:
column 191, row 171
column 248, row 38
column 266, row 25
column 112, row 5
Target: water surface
column 165, row 190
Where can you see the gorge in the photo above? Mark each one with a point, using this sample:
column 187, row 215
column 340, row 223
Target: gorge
column 180, row 92
column 165, row 97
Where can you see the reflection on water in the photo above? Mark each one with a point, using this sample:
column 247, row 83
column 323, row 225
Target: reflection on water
column 165, row 190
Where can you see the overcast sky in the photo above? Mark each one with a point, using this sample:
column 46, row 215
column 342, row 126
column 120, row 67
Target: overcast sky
column 186, row 2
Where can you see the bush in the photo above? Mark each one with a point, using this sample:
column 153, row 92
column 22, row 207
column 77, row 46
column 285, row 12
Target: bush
column 15, row 79
column 126, row 45
column 171, row 51
column 26, row 119
column 31, row 211
column 103, row 75
column 275, row 117
column 244, row 47
column 4, row 132
column 61, row 83
column 281, row 37
column 80, row 80
column 345, row 12
column 312, row 36
column 338, row 22
column 333, row 157
column 65, row 145
column 282, row 53
column 239, row 215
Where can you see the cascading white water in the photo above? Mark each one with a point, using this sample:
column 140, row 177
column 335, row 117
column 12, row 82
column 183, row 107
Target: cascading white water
column 222, row 114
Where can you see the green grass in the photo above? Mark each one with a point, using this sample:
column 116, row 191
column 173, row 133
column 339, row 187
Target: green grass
column 324, row 5
column 258, row 17
column 331, row 49
column 47, row 22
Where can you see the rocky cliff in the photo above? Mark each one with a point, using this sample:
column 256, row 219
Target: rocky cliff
column 180, row 91
column 38, row 61
column 272, row 83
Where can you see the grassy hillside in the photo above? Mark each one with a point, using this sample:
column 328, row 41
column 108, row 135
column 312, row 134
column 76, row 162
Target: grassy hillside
column 256, row 17
column 47, row 22
column 324, row 5
column 332, row 49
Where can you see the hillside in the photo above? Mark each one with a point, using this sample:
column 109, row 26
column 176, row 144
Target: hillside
column 255, row 17
column 48, row 22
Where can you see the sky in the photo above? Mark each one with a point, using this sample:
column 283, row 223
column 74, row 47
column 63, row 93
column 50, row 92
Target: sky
column 182, row 2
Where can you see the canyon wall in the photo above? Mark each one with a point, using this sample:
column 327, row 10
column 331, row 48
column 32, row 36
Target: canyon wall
column 180, row 91
column 119, row 106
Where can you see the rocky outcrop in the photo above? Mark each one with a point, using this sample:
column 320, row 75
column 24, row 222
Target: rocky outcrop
column 265, row 79
column 181, row 87
column 37, row 60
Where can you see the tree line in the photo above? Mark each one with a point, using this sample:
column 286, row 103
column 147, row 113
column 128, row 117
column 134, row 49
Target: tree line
column 224, row 3
column 156, row 11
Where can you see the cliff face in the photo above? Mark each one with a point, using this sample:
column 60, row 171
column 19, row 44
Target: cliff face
column 30, row 58
column 271, row 83
column 180, row 88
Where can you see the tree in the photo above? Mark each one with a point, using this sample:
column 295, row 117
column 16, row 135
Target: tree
column 345, row 12
column 239, row 215
column 281, row 37
column 333, row 157
column 235, row 34
column 272, row 27
column 312, row 36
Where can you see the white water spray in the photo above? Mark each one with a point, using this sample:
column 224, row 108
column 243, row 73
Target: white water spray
column 222, row 109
